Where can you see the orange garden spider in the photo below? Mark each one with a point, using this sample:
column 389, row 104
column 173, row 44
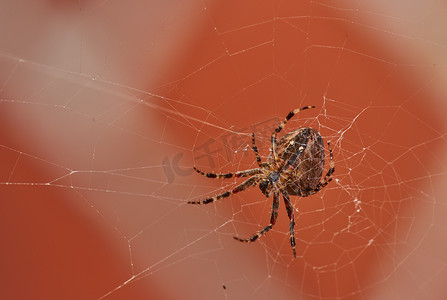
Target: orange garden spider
column 294, row 167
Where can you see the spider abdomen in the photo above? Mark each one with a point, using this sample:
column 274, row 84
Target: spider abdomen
column 303, row 151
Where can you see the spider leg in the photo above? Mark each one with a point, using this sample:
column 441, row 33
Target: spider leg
column 327, row 178
column 255, row 149
column 245, row 173
column 281, row 126
column 244, row 185
column 273, row 218
column 289, row 209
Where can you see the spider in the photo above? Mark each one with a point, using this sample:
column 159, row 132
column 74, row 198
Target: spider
column 293, row 168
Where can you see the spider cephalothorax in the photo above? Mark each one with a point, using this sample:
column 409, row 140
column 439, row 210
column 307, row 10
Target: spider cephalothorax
column 294, row 167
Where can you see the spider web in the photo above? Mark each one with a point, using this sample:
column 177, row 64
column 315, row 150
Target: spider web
column 106, row 106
